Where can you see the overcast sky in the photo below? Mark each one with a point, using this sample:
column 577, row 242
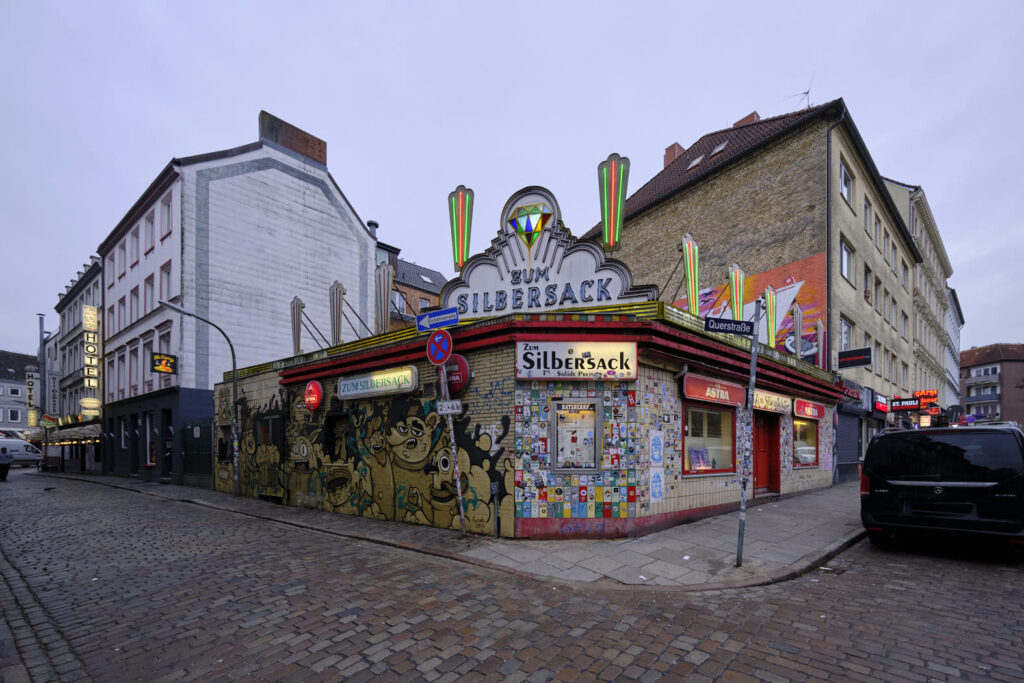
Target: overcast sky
column 415, row 98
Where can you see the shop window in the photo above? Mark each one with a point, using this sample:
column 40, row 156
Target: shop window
column 708, row 441
column 268, row 431
column 575, row 434
column 805, row 443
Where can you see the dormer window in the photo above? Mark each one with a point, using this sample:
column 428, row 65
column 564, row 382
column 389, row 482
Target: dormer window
column 695, row 162
column 718, row 148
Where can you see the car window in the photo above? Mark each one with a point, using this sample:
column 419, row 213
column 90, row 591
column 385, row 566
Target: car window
column 962, row 455
column 32, row 449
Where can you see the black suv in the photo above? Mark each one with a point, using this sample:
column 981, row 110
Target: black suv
column 967, row 480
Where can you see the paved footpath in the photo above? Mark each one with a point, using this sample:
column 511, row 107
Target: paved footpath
column 782, row 539
column 102, row 582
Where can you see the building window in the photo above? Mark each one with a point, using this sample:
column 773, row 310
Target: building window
column 846, row 260
column 110, row 320
column 147, row 366
column 903, row 274
column 14, row 415
column 122, row 257
column 885, row 246
column 165, row 282
column 845, row 334
column 268, row 430
column 903, row 325
column 122, row 318
column 708, row 442
column 576, row 434
column 867, row 283
column 133, row 308
column 165, row 216
column 15, row 391
column 398, row 300
column 135, row 245
column 148, row 301
column 905, row 370
column 805, row 443
column 885, row 306
column 878, row 295
column 845, row 183
column 867, row 216
column 133, row 371
column 878, row 358
column 424, row 303
column 892, row 261
column 124, row 432
column 122, row 377
column 892, row 312
column 878, row 232
column 109, row 270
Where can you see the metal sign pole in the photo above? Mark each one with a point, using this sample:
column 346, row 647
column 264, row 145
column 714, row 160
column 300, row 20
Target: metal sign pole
column 748, row 454
column 443, row 371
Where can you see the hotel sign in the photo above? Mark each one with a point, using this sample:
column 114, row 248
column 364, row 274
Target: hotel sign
column 31, row 380
column 382, row 382
column 716, row 391
column 576, row 360
column 91, row 350
column 535, row 265
column 774, row 403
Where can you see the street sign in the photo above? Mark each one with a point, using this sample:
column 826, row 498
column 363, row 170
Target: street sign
column 452, row 407
column 446, row 317
column 439, row 347
column 727, row 325
column 970, row 419
column 855, row 358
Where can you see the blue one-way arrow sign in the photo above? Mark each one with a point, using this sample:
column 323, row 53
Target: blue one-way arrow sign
column 446, row 317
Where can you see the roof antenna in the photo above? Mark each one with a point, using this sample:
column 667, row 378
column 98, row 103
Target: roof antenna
column 805, row 95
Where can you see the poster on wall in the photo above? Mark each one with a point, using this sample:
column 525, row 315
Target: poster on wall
column 656, row 448
column 575, row 435
column 657, row 485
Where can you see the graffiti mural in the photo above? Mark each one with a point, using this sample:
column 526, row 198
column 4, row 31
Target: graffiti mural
column 385, row 459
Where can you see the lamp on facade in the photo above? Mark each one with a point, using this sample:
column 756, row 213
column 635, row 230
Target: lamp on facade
column 234, row 384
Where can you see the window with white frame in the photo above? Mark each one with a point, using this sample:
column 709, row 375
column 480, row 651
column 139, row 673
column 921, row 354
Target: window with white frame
column 892, row 262
column 845, row 183
column 424, row 303
column 903, row 274
column 110, row 320
column 150, row 231
column 845, row 334
column 148, row 300
column 147, row 367
column 14, row 415
column 398, row 300
column 903, row 325
column 892, row 312
column 135, row 245
column 122, row 258
column 878, row 232
column 133, row 370
column 165, row 216
column 133, row 305
column 885, row 246
column 122, row 378
column 14, row 391
column 905, row 370
column 846, row 260
column 867, row 215
column 165, row 282
column 109, row 270
column 122, row 317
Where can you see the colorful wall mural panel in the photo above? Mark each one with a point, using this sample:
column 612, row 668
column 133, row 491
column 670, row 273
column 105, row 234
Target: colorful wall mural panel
column 801, row 282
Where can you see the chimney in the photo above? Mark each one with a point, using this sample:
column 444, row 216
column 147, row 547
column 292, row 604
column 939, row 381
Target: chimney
column 673, row 152
column 372, row 227
column 286, row 135
column 752, row 117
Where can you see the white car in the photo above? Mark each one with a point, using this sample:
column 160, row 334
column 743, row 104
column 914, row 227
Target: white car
column 25, row 454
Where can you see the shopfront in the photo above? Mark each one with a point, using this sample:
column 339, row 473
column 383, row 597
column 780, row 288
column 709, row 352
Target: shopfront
column 575, row 422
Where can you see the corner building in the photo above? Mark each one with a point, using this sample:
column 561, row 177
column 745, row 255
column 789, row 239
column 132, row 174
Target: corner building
column 577, row 420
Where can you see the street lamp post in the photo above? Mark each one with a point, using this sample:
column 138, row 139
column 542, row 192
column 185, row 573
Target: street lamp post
column 234, row 386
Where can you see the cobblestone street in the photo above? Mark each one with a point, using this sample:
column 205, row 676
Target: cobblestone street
column 111, row 585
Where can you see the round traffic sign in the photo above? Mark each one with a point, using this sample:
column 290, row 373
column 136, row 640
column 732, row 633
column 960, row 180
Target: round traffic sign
column 439, row 347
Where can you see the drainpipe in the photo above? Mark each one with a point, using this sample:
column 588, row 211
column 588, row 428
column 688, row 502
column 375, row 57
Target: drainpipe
column 828, row 280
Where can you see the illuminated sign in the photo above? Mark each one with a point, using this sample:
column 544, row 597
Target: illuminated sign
column 716, row 391
column 612, row 178
column 775, row 403
column 803, row 408
column 576, row 360
column 535, row 265
column 31, row 379
column 91, row 353
column 905, row 404
column 312, row 395
column 164, row 363
column 881, row 403
column 927, row 396
column 91, row 318
column 391, row 381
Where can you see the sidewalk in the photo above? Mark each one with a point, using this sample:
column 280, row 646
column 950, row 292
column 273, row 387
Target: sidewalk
column 782, row 540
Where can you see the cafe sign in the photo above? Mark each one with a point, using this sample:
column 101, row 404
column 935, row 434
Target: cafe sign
column 380, row 383
column 713, row 390
column 535, row 265
column 773, row 403
column 576, row 360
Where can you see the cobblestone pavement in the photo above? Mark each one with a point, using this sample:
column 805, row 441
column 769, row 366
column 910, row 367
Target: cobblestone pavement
column 105, row 584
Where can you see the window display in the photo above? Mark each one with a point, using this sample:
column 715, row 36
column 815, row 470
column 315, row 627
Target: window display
column 576, row 443
column 805, row 442
column 708, row 442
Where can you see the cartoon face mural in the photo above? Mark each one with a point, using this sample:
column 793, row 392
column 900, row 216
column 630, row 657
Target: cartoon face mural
column 383, row 458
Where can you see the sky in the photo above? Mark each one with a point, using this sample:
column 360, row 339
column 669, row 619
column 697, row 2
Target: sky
column 415, row 98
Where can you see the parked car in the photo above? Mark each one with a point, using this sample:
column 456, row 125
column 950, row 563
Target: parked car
column 25, row 454
column 967, row 480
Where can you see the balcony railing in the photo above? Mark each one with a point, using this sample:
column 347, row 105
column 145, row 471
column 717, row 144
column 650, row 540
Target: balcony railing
column 981, row 379
column 984, row 398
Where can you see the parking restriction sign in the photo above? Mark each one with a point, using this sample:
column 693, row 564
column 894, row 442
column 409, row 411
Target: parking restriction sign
column 439, row 347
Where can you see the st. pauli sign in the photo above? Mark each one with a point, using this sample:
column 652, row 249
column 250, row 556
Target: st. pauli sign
column 535, row 265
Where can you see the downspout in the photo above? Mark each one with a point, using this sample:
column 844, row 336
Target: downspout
column 828, row 285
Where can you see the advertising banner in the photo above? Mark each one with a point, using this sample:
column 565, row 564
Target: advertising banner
column 576, row 360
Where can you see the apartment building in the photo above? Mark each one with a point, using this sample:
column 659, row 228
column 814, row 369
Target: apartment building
column 954, row 323
column 931, row 302
column 992, row 382
column 797, row 202
column 231, row 237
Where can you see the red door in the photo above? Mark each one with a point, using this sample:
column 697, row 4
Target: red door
column 766, row 452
